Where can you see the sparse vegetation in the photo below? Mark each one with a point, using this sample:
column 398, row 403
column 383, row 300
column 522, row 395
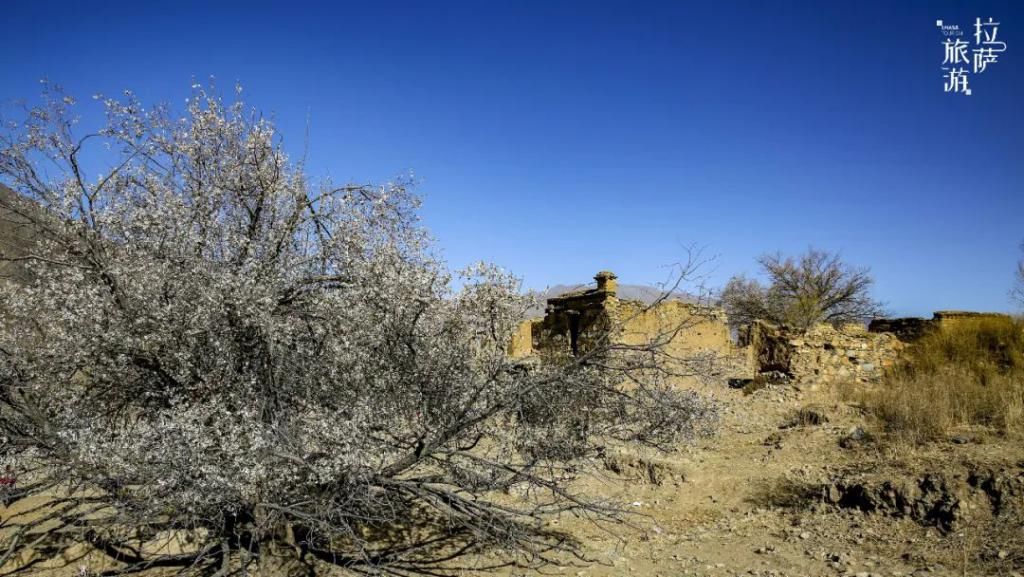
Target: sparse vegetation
column 970, row 374
column 753, row 386
column 808, row 416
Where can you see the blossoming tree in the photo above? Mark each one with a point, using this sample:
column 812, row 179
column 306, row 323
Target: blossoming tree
column 216, row 364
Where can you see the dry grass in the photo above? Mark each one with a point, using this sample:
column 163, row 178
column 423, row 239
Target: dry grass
column 807, row 416
column 966, row 376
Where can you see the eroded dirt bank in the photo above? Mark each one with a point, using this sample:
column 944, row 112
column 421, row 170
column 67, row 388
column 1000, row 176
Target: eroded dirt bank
column 795, row 484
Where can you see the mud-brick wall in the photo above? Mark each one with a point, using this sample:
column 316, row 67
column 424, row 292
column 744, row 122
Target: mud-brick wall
column 824, row 353
column 684, row 327
column 912, row 329
column 908, row 329
column 521, row 343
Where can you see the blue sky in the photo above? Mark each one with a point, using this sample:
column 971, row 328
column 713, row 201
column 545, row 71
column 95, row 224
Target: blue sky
column 560, row 138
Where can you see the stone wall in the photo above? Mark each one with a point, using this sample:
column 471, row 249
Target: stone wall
column 575, row 322
column 822, row 354
column 907, row 329
column 521, row 344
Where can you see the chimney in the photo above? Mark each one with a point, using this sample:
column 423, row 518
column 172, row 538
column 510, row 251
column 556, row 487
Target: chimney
column 606, row 281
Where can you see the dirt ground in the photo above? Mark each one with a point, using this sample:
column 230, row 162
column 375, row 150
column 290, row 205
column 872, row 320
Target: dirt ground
column 774, row 495
column 782, row 493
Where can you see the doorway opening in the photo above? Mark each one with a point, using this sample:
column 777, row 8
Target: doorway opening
column 574, row 333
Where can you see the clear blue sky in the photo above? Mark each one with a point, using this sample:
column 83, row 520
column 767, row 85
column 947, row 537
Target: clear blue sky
column 560, row 138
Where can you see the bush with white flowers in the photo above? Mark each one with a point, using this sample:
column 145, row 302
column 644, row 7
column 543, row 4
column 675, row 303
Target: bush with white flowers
column 216, row 350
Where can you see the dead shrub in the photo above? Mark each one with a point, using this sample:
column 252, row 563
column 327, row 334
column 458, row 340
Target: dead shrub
column 808, row 416
column 754, row 386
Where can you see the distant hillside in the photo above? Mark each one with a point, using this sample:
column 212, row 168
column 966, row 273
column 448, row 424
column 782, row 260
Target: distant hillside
column 644, row 293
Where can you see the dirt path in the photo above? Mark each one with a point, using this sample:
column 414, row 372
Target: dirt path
column 750, row 502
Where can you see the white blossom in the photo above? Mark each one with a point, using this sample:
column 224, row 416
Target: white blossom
column 211, row 344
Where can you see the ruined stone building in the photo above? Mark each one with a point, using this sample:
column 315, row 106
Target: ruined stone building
column 573, row 322
column 850, row 353
column 821, row 354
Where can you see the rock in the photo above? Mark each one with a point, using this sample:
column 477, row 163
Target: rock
column 653, row 471
column 856, row 437
column 739, row 383
column 934, row 500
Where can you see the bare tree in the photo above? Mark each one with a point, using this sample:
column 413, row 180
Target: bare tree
column 817, row 287
column 217, row 365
